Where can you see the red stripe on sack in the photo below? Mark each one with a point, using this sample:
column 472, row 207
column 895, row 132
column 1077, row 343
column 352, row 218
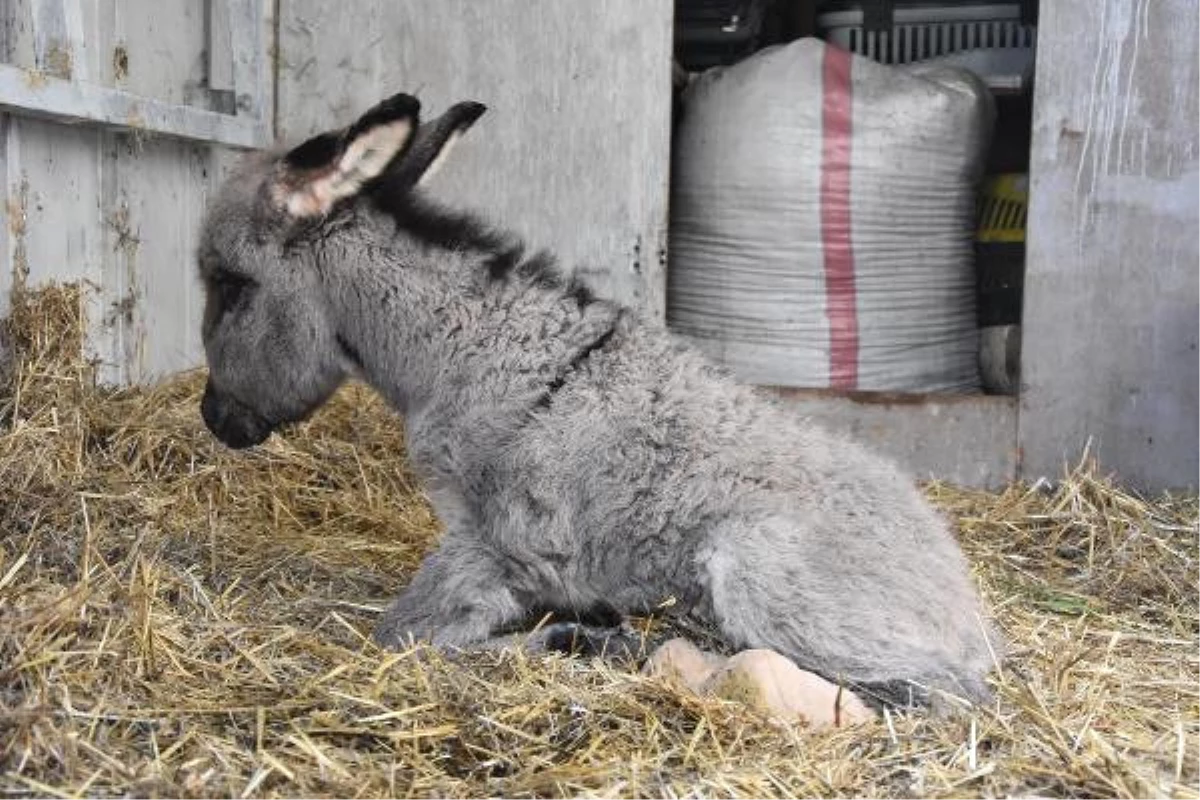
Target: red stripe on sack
column 841, row 302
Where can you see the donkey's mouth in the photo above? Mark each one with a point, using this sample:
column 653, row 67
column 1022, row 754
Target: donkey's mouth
column 232, row 423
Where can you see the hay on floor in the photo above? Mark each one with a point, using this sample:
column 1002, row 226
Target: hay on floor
column 180, row 620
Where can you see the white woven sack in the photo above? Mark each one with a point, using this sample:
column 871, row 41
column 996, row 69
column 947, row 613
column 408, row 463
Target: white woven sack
column 822, row 220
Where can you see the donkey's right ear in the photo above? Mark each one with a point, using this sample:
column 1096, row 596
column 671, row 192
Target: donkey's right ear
column 335, row 165
column 431, row 144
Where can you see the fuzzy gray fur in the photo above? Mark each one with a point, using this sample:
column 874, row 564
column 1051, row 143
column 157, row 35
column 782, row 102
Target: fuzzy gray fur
column 577, row 455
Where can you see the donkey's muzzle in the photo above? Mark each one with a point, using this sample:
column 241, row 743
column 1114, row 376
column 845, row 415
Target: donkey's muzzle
column 233, row 423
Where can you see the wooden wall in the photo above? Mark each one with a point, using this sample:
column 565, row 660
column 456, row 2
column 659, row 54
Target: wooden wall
column 107, row 199
column 574, row 149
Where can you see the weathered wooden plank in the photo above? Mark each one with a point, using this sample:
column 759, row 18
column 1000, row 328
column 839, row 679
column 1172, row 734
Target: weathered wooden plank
column 9, row 26
column 251, row 29
column 574, row 149
column 1111, row 318
column 220, row 47
column 74, row 102
column 52, row 210
column 80, row 18
column 20, row 47
column 53, row 48
column 60, row 38
column 160, row 47
column 155, row 198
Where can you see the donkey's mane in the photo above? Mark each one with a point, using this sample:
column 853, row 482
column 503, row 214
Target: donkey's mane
column 505, row 256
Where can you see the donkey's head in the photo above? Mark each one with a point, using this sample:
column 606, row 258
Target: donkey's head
column 274, row 353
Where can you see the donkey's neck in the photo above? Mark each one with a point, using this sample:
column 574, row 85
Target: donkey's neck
column 465, row 333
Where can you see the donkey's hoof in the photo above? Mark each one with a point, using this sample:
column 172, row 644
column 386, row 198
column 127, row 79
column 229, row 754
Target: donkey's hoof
column 390, row 635
column 611, row 644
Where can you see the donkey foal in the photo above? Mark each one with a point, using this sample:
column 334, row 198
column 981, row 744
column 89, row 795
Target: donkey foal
column 579, row 457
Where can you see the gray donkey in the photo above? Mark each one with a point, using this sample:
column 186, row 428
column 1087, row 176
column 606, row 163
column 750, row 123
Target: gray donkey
column 578, row 456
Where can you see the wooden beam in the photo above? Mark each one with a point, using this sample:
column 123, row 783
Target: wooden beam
column 220, row 47
column 31, row 93
column 250, row 43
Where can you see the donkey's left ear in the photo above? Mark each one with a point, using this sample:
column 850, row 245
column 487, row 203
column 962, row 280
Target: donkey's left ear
column 433, row 142
column 336, row 165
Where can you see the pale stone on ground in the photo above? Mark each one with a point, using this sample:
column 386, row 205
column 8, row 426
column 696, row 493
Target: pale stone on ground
column 763, row 679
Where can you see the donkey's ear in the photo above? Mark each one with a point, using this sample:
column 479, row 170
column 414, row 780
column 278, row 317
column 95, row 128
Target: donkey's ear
column 336, row 165
column 431, row 145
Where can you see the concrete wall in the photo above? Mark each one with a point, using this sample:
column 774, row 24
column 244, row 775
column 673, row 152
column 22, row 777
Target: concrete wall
column 1112, row 278
column 574, row 149
column 967, row 439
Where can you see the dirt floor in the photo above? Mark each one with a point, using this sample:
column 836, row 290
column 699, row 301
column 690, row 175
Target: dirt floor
column 180, row 620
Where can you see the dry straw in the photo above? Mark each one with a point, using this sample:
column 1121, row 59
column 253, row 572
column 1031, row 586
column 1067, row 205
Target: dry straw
column 180, row 620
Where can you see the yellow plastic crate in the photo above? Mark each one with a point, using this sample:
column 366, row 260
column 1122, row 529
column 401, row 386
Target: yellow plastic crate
column 1003, row 208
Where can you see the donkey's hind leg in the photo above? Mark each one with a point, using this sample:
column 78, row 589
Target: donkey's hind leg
column 457, row 599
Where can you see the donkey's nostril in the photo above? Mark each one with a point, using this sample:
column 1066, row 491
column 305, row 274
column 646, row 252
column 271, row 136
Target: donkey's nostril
column 242, row 432
column 232, row 423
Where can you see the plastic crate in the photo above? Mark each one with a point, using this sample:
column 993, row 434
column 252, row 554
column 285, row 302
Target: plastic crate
column 1000, row 249
column 926, row 31
column 1003, row 208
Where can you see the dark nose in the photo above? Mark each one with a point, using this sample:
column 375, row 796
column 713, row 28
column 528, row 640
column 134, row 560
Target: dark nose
column 230, row 421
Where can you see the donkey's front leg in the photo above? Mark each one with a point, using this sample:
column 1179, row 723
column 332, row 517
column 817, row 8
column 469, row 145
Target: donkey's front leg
column 457, row 599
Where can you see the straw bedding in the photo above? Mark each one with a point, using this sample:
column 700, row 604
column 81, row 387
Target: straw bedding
column 177, row 619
